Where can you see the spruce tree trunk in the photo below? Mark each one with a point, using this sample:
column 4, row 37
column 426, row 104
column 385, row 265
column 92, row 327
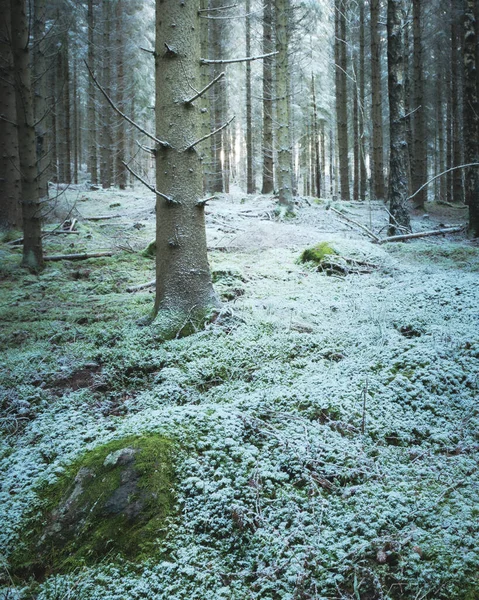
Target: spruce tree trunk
column 342, row 97
column 456, row 68
column 106, row 162
column 120, row 171
column 39, row 64
column 75, row 121
column 377, row 161
column 362, row 104
column 67, row 147
column 315, row 144
column 250, row 182
column 283, row 117
column 398, row 182
column 471, row 117
column 10, row 184
column 268, row 47
column 91, row 109
column 31, row 207
column 419, row 172
column 356, row 148
column 183, row 279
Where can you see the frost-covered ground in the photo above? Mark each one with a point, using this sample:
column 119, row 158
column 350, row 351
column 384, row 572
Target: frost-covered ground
column 328, row 437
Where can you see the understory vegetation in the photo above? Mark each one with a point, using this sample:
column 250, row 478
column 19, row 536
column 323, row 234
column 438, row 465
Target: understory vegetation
column 319, row 439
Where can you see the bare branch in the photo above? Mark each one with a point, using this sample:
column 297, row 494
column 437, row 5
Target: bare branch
column 440, row 175
column 208, row 135
column 115, row 108
column 205, row 89
column 217, row 8
column 203, row 201
column 147, row 50
column 150, row 187
column 360, row 225
column 146, row 148
column 206, row 61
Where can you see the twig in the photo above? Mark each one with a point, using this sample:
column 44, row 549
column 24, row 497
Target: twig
column 56, row 257
column 143, row 286
column 363, row 227
column 150, row 187
column 206, row 61
column 440, row 175
column 201, row 10
column 413, row 236
column 208, row 135
column 205, row 89
column 115, row 108
column 226, row 225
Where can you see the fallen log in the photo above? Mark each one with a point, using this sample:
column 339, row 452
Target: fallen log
column 353, row 222
column 56, row 257
column 421, row 234
column 142, row 286
column 103, row 217
column 45, row 234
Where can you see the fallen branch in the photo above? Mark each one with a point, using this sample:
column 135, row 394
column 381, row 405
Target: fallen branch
column 421, row 234
column 360, row 225
column 142, row 286
column 102, row 218
column 57, row 257
column 19, row 241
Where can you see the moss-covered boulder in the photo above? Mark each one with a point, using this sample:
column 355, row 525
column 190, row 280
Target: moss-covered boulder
column 318, row 254
column 115, row 500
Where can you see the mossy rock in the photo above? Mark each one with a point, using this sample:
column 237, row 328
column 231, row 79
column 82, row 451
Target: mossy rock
column 114, row 501
column 150, row 250
column 318, row 253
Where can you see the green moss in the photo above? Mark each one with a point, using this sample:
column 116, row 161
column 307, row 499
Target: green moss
column 101, row 507
column 150, row 250
column 317, row 253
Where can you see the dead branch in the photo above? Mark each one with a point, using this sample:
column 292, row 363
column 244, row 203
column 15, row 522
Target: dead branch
column 103, row 217
column 142, row 286
column 150, row 187
column 203, row 201
column 421, row 234
column 205, row 89
column 115, row 108
column 45, row 234
column 206, row 61
column 56, row 257
column 146, row 148
column 202, row 10
column 360, row 225
column 440, row 175
column 208, row 135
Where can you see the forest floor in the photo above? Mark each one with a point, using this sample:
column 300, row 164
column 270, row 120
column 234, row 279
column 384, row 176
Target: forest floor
column 327, row 436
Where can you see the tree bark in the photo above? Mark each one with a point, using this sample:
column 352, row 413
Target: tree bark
column 283, row 117
column 32, row 246
column 91, row 109
column 315, row 144
column 182, row 271
column 250, row 181
column 10, row 184
column 362, row 104
column 377, row 161
column 106, row 138
column 398, row 182
column 471, row 116
column 342, row 97
column 39, row 64
column 268, row 47
column 120, row 171
column 419, row 172
column 456, row 74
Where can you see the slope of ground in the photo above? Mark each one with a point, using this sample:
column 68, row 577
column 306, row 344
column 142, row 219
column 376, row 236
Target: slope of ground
column 327, row 438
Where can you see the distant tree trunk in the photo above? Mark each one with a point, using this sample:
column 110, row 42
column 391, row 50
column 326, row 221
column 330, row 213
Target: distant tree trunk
column 323, row 159
column 456, row 69
column 75, row 91
column 362, row 104
column 440, row 135
column 67, row 147
column 419, row 171
column 31, row 208
column 342, row 97
column 10, row 184
column 39, row 65
column 409, row 100
column 377, row 161
column 471, row 117
column 250, row 182
column 62, row 104
column 268, row 184
column 106, row 162
column 91, row 108
column 183, row 279
column 398, row 183
column 120, row 171
column 331, row 162
column 315, row 144
column 356, row 147
column 283, row 117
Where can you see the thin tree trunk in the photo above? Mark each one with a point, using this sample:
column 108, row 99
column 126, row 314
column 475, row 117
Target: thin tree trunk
column 471, row 117
column 268, row 183
column 398, row 181
column 32, row 238
column 315, row 144
column 250, row 182
column 419, row 172
column 91, row 109
column 120, row 171
column 183, row 279
column 342, row 97
column 106, row 163
column 362, row 104
column 377, row 160
column 356, row 147
column 39, row 65
column 10, row 184
column 456, row 67
column 75, row 122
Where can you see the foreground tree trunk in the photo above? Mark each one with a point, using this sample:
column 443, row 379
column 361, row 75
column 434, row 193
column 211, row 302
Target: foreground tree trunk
column 377, row 163
column 340, row 51
column 32, row 239
column 183, row 279
column 91, row 110
column 10, row 186
column 398, row 181
column 250, row 178
column 268, row 184
column 471, row 117
column 283, row 139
